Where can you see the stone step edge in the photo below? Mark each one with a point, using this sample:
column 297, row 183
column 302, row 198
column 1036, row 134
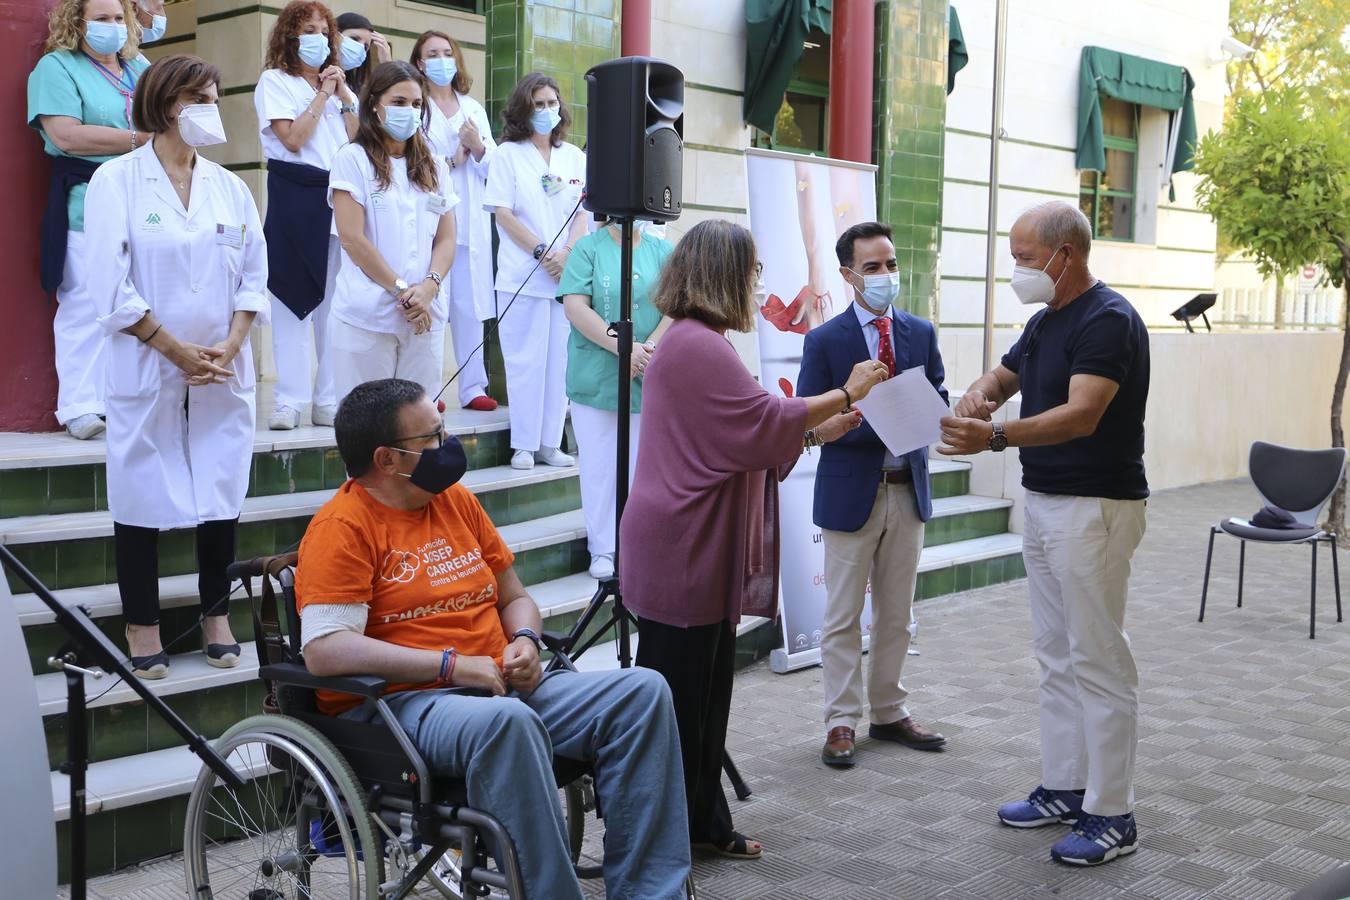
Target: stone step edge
column 53, row 449
column 190, row 671
column 181, row 590
column 85, row 525
column 159, row 774
column 558, row 597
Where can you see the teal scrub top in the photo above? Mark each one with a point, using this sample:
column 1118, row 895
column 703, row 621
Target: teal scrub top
column 593, row 271
column 67, row 83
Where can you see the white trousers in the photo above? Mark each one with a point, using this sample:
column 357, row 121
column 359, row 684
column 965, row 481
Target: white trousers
column 300, row 377
column 885, row 550
column 1077, row 552
column 534, row 348
column 359, row 356
column 597, row 433
column 81, row 357
column 466, row 330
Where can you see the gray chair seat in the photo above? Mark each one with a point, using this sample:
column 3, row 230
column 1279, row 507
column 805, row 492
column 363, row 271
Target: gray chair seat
column 1249, row 532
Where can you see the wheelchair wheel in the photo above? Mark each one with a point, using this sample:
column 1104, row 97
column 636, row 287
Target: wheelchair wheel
column 297, row 829
column 578, row 798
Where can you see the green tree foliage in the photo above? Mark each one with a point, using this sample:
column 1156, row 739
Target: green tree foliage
column 1278, row 177
column 1299, row 43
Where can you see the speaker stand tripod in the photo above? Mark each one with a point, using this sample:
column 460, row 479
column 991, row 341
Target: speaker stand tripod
column 618, row 615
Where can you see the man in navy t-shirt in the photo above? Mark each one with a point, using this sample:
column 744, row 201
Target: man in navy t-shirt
column 1082, row 366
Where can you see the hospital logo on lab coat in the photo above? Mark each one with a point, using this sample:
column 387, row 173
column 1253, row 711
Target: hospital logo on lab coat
column 153, row 222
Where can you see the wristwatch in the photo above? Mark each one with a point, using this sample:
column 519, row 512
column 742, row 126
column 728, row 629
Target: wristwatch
column 998, row 441
column 399, row 286
column 347, row 108
column 529, row 633
column 539, row 251
column 434, row 276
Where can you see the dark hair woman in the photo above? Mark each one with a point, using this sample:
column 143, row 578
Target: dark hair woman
column 705, row 501
column 393, row 199
column 176, row 295
column 361, row 49
column 535, row 188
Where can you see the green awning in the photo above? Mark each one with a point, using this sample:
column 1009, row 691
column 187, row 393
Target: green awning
column 775, row 32
column 957, row 57
column 1132, row 79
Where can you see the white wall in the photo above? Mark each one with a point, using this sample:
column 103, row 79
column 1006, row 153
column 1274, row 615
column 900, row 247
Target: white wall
column 1045, row 40
column 1210, row 397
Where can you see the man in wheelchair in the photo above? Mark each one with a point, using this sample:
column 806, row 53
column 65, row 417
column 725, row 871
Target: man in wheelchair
column 403, row 576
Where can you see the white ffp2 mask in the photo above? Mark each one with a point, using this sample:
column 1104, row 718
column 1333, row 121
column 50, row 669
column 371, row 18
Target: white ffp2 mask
column 1034, row 285
column 199, row 125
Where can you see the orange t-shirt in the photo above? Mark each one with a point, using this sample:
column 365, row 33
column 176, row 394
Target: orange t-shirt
column 429, row 575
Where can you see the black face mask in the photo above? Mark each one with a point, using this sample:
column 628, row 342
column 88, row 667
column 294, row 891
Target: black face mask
column 439, row 467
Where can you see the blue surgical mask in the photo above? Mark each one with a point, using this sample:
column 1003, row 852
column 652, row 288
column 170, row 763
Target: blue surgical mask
column 402, row 121
column 879, row 291
column 352, row 53
column 158, row 25
column 314, row 49
column 105, row 37
column 441, row 70
column 545, row 120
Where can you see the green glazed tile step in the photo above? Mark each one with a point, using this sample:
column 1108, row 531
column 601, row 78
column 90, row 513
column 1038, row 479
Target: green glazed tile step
column 965, row 518
column 75, row 549
column 52, row 474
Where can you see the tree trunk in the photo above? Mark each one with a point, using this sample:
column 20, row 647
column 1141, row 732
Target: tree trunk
column 1335, row 522
column 1279, row 301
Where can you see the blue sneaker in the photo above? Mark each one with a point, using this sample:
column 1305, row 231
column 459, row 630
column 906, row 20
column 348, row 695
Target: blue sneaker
column 1043, row 807
column 1097, row 840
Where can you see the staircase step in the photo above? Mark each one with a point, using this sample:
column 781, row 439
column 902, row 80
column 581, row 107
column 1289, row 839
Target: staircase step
column 82, row 526
column 966, row 517
column 54, row 474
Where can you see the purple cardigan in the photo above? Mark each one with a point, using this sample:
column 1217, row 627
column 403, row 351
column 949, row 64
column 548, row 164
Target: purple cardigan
column 699, row 538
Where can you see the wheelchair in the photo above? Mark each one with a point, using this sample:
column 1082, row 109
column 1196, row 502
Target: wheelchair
column 335, row 808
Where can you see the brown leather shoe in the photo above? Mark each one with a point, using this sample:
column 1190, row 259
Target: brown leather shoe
column 838, row 750
column 909, row 733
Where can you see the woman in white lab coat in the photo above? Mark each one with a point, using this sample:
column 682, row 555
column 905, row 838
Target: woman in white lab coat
column 392, row 200
column 178, row 274
column 458, row 130
column 534, row 186
column 306, row 112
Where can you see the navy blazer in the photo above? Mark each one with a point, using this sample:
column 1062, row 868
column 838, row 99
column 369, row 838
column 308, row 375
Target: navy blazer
column 850, row 468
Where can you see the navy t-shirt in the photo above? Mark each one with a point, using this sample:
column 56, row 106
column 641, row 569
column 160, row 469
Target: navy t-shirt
column 1099, row 333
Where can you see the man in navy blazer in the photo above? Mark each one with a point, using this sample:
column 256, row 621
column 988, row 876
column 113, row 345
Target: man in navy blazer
column 870, row 506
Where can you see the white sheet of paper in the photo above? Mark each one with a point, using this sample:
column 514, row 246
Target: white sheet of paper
column 905, row 411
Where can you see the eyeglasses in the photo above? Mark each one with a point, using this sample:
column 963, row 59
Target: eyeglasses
column 438, row 434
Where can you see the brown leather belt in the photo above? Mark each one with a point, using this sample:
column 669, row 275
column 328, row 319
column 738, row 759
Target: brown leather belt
column 897, row 476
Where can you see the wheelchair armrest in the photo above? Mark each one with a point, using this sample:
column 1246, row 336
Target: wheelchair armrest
column 554, row 641
column 298, row 676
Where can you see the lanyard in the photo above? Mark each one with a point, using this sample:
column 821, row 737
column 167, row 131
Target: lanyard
column 124, row 85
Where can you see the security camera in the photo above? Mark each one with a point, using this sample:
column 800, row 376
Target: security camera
column 1236, row 49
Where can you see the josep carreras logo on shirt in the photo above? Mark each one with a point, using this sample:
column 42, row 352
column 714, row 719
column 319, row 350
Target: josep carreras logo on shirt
column 400, row 566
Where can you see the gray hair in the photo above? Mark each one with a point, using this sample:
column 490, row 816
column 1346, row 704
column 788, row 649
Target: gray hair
column 1057, row 223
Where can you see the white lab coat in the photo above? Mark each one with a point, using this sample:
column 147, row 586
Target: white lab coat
column 470, row 182
column 177, row 456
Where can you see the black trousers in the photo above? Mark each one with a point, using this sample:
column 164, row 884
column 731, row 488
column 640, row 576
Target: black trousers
column 698, row 663
column 136, row 550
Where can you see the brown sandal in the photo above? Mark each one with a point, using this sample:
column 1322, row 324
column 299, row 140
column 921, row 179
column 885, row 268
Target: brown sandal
column 739, row 847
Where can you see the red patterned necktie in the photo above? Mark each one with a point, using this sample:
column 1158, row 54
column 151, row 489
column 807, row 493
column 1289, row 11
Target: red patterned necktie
column 885, row 352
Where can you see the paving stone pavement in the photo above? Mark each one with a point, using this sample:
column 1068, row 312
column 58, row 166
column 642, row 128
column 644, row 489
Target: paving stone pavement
column 1243, row 777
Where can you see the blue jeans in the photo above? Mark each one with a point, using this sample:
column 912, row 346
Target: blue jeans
column 620, row 722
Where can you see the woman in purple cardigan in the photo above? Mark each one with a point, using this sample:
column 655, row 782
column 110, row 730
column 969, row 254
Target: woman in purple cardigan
column 700, row 531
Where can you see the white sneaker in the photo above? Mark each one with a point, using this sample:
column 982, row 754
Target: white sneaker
column 552, row 456
column 522, row 459
column 602, row 567
column 84, row 427
column 323, row 415
column 283, row 418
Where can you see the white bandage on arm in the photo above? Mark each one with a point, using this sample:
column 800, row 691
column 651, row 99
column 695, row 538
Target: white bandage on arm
column 320, row 619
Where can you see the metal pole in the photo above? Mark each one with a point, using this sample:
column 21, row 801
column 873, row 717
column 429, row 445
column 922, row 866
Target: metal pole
column 77, row 763
column 624, row 332
column 995, row 136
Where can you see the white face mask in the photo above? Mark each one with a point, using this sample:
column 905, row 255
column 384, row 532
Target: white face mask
column 879, row 291
column 761, row 293
column 1033, row 285
column 199, row 125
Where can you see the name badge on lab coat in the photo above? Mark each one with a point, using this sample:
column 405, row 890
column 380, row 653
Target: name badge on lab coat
column 437, row 204
column 230, row 235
